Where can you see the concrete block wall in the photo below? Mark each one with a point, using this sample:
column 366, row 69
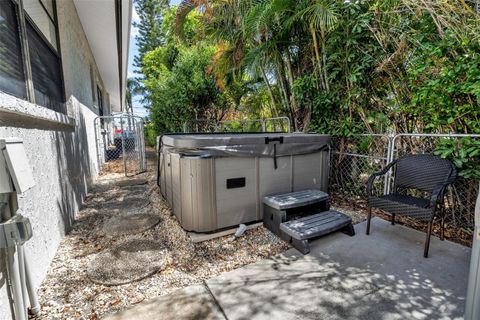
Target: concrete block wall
column 60, row 148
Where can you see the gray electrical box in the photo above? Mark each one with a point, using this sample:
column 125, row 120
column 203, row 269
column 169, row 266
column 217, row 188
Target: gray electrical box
column 14, row 167
column 15, row 176
column 15, row 231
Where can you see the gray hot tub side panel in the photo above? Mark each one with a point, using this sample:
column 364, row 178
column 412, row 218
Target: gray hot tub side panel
column 197, row 193
column 197, row 188
column 236, row 204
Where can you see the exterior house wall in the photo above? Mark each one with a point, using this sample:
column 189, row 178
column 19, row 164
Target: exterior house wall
column 60, row 148
column 77, row 59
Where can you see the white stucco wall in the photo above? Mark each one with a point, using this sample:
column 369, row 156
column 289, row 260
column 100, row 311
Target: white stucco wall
column 61, row 150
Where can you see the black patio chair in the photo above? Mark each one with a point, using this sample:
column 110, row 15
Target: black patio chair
column 423, row 174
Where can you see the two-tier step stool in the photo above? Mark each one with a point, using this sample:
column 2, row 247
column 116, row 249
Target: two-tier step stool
column 299, row 216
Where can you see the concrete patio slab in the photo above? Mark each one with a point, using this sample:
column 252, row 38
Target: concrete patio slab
column 194, row 302
column 381, row 276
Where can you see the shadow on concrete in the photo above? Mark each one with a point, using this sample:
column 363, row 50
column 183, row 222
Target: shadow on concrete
column 383, row 276
column 194, row 302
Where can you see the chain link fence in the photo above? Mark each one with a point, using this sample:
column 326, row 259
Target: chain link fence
column 279, row 124
column 460, row 197
column 120, row 144
column 355, row 158
column 200, row 125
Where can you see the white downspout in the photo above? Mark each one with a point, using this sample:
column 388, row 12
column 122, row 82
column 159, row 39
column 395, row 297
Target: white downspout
column 472, row 310
column 13, row 267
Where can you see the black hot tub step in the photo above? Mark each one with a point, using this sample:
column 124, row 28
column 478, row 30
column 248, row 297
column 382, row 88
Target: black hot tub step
column 314, row 226
column 295, row 199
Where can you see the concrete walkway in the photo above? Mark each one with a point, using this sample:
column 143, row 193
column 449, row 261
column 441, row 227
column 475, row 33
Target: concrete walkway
column 381, row 276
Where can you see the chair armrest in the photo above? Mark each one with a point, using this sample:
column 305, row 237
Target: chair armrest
column 437, row 194
column 377, row 174
column 438, row 191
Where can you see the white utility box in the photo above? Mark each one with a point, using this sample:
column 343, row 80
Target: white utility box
column 14, row 167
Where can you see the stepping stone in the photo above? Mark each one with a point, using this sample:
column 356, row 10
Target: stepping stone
column 131, row 182
column 130, row 224
column 128, row 262
column 138, row 189
column 126, row 204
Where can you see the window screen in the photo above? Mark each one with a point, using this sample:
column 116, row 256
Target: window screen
column 12, row 77
column 46, row 72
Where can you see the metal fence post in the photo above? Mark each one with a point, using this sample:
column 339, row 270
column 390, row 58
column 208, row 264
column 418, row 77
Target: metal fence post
column 390, row 151
column 123, row 147
column 95, row 128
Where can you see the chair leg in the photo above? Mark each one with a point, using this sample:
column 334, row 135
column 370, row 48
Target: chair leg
column 393, row 219
column 442, row 226
column 369, row 217
column 427, row 240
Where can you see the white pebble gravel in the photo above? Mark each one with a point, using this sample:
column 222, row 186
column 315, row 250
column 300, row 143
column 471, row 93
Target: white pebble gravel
column 67, row 292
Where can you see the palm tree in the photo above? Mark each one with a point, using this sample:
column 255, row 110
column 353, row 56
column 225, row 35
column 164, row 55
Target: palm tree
column 321, row 18
column 267, row 39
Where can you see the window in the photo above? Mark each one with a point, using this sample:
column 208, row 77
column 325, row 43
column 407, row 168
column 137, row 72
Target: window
column 33, row 23
column 12, row 77
column 93, row 82
column 42, row 18
column 46, row 72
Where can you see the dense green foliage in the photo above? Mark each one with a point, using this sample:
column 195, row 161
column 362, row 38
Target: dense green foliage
column 150, row 33
column 178, row 81
column 343, row 66
column 332, row 66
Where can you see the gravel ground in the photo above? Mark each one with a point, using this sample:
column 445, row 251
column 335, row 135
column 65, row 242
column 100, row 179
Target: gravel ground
column 68, row 293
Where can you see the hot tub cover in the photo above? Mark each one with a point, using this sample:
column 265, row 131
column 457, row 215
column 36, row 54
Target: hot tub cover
column 244, row 144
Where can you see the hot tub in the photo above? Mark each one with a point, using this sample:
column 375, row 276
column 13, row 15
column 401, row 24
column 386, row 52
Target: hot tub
column 215, row 181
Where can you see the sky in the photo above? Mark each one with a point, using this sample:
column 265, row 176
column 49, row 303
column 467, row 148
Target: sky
column 137, row 105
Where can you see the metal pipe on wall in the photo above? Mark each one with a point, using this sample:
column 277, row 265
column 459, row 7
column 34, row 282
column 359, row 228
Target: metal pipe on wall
column 20, row 285
column 21, row 268
column 12, row 266
column 32, row 294
column 14, row 276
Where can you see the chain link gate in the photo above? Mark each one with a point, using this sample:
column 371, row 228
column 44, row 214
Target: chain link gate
column 120, row 144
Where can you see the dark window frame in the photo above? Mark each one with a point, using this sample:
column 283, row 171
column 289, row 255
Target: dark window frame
column 100, row 101
column 22, row 92
column 22, row 19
